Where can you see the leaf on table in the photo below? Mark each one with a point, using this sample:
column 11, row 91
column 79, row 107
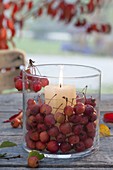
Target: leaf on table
column 7, row 144
column 37, row 154
column 3, row 155
column 104, row 130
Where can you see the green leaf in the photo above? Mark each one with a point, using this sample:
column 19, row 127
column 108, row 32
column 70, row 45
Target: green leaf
column 37, row 154
column 3, row 155
column 7, row 144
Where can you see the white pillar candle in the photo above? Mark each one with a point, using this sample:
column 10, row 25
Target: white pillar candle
column 67, row 91
column 56, row 95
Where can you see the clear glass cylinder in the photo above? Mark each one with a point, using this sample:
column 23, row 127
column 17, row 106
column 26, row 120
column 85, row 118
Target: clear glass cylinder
column 61, row 110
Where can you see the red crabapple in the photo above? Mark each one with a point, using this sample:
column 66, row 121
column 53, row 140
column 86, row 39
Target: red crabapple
column 49, row 120
column 75, row 118
column 44, row 81
column 91, row 134
column 73, row 139
column 61, row 138
column 88, row 110
column 36, row 85
column 39, row 118
column 34, row 135
column 84, row 120
column 83, row 135
column 90, row 127
column 65, row 147
column 59, row 117
column 45, row 109
column 79, row 108
column 68, row 110
column 41, row 127
column 79, row 147
column 18, row 84
column 15, row 123
column 88, row 143
column 65, row 128
column 90, row 101
column 77, row 129
column 31, row 102
column 33, row 162
column 52, row 146
column 40, row 145
column 35, row 109
column 31, row 120
column 53, row 131
column 93, row 117
column 44, row 137
column 30, row 144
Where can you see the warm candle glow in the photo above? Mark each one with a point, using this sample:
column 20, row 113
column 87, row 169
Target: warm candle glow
column 61, row 76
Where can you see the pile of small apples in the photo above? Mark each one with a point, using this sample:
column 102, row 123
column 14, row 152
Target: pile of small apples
column 70, row 130
column 31, row 82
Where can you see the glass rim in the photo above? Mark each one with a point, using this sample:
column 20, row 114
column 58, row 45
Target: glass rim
column 66, row 77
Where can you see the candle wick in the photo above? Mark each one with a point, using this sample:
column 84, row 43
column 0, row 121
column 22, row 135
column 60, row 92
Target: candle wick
column 60, row 85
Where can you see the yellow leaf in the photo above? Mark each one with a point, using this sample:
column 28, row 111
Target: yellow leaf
column 104, row 130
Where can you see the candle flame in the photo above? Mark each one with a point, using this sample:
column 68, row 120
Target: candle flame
column 61, row 76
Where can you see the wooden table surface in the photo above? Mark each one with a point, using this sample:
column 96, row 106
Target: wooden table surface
column 9, row 105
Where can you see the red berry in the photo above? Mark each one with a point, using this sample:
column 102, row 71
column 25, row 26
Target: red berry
column 68, row 110
column 15, row 123
column 40, row 145
column 45, row 109
column 73, row 139
column 65, row 128
column 59, row 117
column 65, row 147
column 18, row 84
column 79, row 147
column 49, row 120
column 44, row 82
column 53, row 131
column 79, row 108
column 52, row 146
column 88, row 142
column 36, row 85
column 33, row 162
column 44, row 137
column 31, row 102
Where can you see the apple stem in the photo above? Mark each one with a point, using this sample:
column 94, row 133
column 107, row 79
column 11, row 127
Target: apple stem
column 52, row 98
column 33, row 67
column 58, row 107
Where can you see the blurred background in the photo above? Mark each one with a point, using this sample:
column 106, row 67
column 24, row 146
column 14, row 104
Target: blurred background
column 49, row 40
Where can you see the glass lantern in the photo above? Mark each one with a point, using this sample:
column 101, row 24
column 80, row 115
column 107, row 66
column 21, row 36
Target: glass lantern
column 61, row 110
